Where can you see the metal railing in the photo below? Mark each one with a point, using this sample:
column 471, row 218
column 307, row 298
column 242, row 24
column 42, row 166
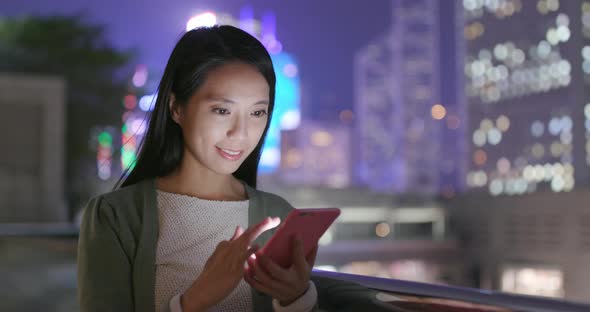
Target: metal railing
column 379, row 285
column 40, row 230
column 468, row 295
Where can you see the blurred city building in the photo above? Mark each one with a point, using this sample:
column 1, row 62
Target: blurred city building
column 527, row 70
column 409, row 137
column 535, row 244
column 32, row 156
column 317, row 154
column 387, row 150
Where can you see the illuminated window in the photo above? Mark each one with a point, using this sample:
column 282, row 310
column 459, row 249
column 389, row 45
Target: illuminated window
column 321, row 138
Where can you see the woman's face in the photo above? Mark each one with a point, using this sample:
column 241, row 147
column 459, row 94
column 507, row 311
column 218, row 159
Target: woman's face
column 224, row 119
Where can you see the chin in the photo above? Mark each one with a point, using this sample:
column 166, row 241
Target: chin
column 225, row 170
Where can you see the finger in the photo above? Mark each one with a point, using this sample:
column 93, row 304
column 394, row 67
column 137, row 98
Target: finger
column 222, row 244
column 299, row 262
column 254, row 231
column 248, row 267
column 250, row 261
column 259, row 274
column 250, row 251
column 262, row 276
column 257, row 285
column 276, row 271
column 253, row 261
column 311, row 256
column 237, row 233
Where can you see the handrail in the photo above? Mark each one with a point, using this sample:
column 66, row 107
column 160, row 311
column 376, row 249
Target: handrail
column 478, row 296
column 39, row 230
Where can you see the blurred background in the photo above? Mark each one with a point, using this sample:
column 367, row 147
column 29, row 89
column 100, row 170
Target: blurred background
column 453, row 134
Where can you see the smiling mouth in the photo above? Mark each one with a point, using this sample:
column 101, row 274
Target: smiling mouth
column 229, row 154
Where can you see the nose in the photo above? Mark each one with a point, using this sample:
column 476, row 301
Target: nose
column 238, row 128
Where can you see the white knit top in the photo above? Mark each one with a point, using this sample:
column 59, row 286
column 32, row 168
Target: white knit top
column 190, row 229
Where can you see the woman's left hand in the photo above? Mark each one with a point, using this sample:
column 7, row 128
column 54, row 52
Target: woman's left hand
column 284, row 284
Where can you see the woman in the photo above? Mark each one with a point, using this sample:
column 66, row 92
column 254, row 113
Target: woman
column 172, row 236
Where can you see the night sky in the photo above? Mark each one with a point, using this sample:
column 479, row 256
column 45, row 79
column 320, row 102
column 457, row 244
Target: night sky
column 323, row 35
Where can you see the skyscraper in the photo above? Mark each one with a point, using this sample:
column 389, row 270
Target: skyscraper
column 526, row 68
column 406, row 129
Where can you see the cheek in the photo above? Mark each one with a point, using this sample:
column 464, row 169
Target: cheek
column 206, row 132
column 257, row 129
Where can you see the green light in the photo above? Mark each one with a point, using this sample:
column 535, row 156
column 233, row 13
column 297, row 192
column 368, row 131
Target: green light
column 105, row 139
column 128, row 159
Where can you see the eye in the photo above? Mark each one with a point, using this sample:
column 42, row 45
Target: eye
column 220, row 111
column 260, row 113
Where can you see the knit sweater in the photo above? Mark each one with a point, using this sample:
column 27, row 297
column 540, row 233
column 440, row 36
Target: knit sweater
column 117, row 252
column 190, row 229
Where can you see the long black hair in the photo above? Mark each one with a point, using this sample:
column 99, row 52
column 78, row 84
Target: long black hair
column 197, row 53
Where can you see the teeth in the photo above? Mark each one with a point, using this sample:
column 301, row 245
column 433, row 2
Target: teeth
column 231, row 152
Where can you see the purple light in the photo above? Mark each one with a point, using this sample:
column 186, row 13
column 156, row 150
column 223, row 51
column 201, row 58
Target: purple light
column 140, row 76
column 247, row 19
column 137, row 126
column 269, row 25
column 274, row 46
column 290, row 70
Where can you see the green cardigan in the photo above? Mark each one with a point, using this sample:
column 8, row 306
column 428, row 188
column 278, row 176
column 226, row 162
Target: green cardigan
column 117, row 252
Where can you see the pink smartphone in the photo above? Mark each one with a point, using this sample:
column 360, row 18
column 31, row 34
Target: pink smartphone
column 310, row 223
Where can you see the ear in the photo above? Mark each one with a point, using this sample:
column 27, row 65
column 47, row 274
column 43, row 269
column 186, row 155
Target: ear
column 175, row 109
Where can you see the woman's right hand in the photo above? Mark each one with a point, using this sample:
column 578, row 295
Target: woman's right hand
column 225, row 268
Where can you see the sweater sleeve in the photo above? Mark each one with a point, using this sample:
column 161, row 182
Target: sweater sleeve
column 104, row 269
column 305, row 303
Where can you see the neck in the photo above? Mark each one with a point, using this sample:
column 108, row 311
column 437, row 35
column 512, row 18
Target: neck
column 193, row 179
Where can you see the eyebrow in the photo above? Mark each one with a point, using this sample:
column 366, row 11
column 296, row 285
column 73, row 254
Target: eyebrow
column 228, row 101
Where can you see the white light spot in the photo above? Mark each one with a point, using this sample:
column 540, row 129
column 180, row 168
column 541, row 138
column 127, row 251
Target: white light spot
column 206, row 19
column 290, row 120
column 147, row 102
column 479, row 138
column 537, row 129
column 494, row 136
column 270, row 157
column 496, row 187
